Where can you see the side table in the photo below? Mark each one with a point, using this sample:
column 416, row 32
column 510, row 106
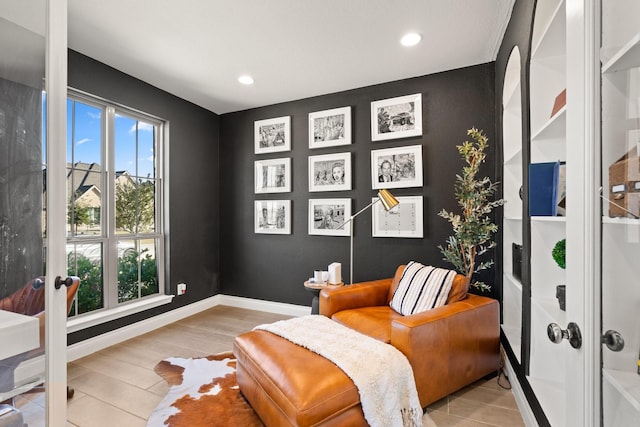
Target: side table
column 315, row 289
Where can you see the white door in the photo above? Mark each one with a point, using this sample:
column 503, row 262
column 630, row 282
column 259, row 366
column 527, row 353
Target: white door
column 559, row 146
column 619, row 56
column 32, row 214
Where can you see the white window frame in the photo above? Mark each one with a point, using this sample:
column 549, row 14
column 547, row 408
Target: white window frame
column 112, row 309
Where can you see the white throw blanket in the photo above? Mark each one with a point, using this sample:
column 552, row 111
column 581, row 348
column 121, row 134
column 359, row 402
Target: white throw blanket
column 381, row 373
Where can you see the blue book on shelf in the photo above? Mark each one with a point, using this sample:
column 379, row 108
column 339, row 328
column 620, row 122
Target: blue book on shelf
column 543, row 188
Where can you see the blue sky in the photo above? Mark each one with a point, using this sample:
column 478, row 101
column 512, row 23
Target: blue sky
column 84, row 140
column 86, row 134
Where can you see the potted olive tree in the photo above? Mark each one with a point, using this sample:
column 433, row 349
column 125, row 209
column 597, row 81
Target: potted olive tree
column 558, row 254
column 473, row 229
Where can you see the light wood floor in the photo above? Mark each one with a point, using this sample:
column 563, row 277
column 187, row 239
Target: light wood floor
column 118, row 387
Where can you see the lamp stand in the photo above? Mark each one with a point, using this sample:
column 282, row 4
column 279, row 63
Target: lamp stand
column 350, row 221
column 388, row 201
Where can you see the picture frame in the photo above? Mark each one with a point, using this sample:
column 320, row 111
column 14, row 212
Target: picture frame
column 405, row 220
column 398, row 117
column 272, row 216
column 397, row 167
column 330, row 172
column 330, row 128
column 272, row 135
column 326, row 215
column 272, row 176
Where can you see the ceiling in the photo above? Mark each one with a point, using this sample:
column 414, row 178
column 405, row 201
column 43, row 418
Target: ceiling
column 294, row 49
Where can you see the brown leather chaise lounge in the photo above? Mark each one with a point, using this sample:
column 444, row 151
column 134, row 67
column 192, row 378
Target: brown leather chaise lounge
column 448, row 348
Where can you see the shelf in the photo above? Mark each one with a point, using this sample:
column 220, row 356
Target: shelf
column 548, row 219
column 555, row 127
column 627, row 383
column 514, row 159
column 513, row 281
column 511, row 96
column 626, row 58
column 621, row 221
column 547, row 43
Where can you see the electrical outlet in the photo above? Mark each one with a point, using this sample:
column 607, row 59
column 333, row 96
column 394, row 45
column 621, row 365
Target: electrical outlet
column 182, row 288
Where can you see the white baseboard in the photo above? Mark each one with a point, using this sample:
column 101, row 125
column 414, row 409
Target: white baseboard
column 91, row 345
column 521, row 400
column 261, row 305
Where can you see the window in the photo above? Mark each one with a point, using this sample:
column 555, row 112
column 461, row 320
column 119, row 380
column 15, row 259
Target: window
column 114, row 218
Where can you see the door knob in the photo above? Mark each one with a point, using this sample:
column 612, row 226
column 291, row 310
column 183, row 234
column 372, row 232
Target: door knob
column 613, row 340
column 67, row 281
column 556, row 334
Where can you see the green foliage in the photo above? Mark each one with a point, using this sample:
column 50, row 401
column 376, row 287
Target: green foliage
column 558, row 253
column 135, row 207
column 472, row 228
column 90, row 293
column 89, row 296
column 129, row 277
column 77, row 215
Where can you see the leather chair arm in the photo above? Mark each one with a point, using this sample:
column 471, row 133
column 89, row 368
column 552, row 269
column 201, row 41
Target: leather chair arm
column 365, row 294
column 450, row 343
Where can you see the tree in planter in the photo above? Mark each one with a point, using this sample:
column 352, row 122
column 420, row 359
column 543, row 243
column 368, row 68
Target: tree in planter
column 473, row 229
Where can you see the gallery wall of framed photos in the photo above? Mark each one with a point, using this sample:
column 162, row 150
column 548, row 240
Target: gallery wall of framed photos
column 327, row 157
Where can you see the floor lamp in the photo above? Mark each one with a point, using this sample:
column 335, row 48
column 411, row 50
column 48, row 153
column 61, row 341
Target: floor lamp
column 388, row 201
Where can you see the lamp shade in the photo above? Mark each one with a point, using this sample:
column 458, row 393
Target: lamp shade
column 387, row 199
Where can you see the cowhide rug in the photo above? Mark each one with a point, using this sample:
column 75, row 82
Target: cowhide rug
column 203, row 392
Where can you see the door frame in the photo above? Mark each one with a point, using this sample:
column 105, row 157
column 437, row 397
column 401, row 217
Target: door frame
column 56, row 318
column 583, row 211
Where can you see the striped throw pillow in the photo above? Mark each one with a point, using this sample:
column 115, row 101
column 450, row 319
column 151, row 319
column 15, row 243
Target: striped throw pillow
column 421, row 288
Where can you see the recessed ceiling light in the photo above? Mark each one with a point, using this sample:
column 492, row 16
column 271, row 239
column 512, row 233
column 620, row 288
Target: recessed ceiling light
column 245, row 80
column 410, row 39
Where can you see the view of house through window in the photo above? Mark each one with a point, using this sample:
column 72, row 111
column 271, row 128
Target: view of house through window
column 114, row 241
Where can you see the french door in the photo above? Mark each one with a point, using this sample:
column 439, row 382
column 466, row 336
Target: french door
column 33, row 207
column 619, row 64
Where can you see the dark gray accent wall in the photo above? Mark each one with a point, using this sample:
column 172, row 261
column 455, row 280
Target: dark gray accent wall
column 193, row 181
column 274, row 267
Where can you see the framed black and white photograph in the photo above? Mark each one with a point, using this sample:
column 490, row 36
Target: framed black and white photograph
column 272, row 135
column 396, row 117
column 404, row 220
column 327, row 216
column 273, row 175
column 330, row 172
column 272, row 216
column 396, row 167
column 330, row 128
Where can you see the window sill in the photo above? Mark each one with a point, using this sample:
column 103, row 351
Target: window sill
column 89, row 320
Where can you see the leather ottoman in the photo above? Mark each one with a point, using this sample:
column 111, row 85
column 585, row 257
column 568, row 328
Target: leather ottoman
column 288, row 385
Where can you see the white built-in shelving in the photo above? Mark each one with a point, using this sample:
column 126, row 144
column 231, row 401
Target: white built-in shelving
column 548, row 79
column 512, row 183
